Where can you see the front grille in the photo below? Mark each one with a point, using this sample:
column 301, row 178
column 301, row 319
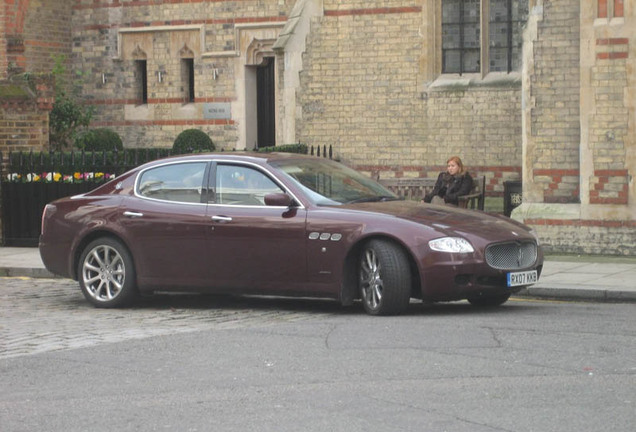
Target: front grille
column 511, row 256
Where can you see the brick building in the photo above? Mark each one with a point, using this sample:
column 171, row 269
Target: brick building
column 537, row 90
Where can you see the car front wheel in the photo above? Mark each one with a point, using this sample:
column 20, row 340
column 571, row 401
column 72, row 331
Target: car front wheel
column 385, row 278
column 107, row 274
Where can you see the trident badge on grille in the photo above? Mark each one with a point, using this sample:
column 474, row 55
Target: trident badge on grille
column 519, row 257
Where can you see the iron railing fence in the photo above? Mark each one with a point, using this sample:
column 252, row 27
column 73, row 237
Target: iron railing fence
column 30, row 180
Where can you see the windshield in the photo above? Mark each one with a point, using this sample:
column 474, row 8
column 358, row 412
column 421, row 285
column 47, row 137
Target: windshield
column 330, row 183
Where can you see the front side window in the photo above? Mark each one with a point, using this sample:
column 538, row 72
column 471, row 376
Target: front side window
column 481, row 36
column 242, row 185
column 182, row 182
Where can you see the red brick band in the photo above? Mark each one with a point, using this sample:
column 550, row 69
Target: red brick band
column 203, row 122
column 613, row 55
column 582, row 223
column 373, row 11
column 599, row 194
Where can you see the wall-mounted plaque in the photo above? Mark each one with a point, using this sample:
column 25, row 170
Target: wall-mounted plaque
column 217, row 111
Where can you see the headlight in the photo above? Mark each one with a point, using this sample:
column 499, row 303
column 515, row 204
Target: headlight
column 534, row 234
column 451, row 245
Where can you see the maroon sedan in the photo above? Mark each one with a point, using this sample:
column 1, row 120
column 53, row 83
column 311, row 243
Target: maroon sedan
column 281, row 224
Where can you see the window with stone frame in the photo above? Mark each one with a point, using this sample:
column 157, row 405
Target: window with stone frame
column 187, row 78
column 482, row 36
column 141, row 80
column 187, row 74
column 610, row 8
column 140, row 75
column 460, row 36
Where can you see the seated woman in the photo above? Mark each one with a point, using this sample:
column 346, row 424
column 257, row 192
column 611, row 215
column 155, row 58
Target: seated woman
column 451, row 184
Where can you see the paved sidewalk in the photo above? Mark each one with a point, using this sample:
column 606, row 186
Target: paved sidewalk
column 592, row 278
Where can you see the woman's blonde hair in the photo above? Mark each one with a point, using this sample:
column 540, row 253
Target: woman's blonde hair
column 459, row 163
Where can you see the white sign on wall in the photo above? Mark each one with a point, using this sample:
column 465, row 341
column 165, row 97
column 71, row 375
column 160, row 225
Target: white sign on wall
column 217, row 111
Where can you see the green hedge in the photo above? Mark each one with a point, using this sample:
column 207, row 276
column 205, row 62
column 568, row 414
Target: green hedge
column 192, row 141
column 285, row 148
column 101, row 139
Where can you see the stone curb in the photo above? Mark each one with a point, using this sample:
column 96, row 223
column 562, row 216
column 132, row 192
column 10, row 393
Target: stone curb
column 26, row 272
column 562, row 292
column 577, row 294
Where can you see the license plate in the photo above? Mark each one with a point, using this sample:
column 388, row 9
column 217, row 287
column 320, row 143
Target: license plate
column 521, row 278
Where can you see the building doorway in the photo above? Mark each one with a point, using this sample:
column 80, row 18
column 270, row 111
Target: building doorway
column 265, row 103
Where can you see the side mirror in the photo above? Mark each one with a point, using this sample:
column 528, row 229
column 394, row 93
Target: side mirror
column 278, row 200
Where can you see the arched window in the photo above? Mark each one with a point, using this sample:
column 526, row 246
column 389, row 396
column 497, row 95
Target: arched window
column 187, row 74
column 141, row 75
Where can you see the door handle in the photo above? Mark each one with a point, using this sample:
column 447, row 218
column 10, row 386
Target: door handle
column 221, row 219
column 133, row 214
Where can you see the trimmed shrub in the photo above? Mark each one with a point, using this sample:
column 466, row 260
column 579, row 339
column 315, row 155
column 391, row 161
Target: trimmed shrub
column 192, row 141
column 102, row 139
column 285, row 148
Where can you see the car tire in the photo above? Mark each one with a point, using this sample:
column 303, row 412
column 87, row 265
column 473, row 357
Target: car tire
column 106, row 274
column 384, row 278
column 489, row 300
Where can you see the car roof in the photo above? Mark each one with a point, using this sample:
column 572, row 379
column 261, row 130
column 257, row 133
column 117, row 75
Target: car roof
column 254, row 157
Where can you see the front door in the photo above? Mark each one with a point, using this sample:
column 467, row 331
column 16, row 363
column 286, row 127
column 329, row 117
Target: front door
column 253, row 246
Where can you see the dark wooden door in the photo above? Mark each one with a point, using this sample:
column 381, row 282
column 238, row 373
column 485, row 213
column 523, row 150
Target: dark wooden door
column 265, row 103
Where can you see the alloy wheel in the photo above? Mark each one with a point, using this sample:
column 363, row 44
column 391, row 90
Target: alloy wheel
column 371, row 283
column 103, row 273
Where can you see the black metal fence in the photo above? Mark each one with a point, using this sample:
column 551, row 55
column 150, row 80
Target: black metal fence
column 30, row 180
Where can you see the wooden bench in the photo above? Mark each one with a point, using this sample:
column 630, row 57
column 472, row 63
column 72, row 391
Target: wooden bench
column 416, row 188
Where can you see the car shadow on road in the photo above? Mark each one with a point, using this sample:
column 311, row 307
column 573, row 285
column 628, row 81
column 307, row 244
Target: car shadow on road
column 307, row 305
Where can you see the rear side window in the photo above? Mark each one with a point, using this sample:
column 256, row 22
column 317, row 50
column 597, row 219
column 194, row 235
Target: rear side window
column 181, row 182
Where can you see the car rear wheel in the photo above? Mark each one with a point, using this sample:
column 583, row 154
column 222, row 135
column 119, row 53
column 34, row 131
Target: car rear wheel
column 107, row 274
column 489, row 300
column 385, row 278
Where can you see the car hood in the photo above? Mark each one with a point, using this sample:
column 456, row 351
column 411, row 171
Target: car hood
column 449, row 220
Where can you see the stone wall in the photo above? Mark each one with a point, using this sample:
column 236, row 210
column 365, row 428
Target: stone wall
column 579, row 135
column 32, row 33
column 554, row 101
column 366, row 91
column 4, row 62
column 47, row 34
column 585, row 236
column 215, row 34
column 609, row 122
column 363, row 88
column 370, row 86
column 23, row 127
column 353, row 94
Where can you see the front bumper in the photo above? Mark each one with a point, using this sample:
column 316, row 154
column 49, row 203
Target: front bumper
column 453, row 281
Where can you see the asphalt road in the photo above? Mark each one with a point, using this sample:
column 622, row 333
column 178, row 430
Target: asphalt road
column 203, row 363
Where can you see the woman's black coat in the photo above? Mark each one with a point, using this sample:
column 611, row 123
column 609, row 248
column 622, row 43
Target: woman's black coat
column 450, row 188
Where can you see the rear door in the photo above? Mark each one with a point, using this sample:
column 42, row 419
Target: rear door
column 166, row 225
